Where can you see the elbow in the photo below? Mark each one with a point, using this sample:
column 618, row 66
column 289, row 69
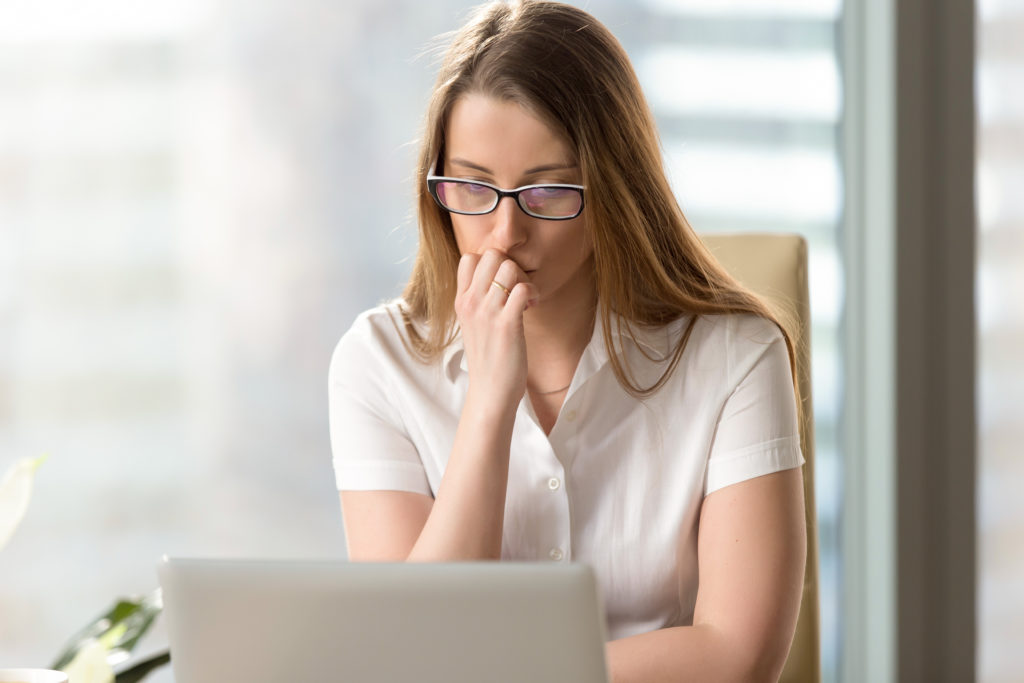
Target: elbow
column 768, row 670
column 749, row 659
column 752, row 670
column 765, row 663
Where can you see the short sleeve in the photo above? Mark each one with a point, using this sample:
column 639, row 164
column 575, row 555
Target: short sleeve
column 370, row 445
column 758, row 431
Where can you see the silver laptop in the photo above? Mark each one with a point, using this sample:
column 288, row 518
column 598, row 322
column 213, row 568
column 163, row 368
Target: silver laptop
column 288, row 621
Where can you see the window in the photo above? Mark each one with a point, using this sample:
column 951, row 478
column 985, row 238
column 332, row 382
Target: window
column 1000, row 334
column 196, row 202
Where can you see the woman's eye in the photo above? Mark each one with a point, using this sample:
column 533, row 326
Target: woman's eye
column 550, row 192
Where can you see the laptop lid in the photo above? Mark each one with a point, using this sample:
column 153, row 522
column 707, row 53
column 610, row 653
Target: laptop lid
column 276, row 621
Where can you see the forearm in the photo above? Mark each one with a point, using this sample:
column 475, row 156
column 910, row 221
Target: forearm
column 689, row 653
column 467, row 516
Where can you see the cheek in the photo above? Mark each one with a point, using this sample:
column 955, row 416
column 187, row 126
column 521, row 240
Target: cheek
column 462, row 238
column 576, row 239
column 588, row 241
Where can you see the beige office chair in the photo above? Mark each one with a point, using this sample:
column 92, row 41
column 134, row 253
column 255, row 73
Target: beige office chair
column 775, row 267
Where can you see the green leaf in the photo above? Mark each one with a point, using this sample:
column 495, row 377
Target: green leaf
column 140, row 670
column 90, row 665
column 119, row 629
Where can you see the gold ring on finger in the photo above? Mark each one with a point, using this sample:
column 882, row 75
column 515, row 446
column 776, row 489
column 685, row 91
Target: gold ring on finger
column 501, row 287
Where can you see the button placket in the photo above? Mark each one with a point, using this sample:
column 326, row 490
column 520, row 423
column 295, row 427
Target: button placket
column 558, row 498
column 549, row 509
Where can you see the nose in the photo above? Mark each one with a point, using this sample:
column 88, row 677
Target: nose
column 509, row 227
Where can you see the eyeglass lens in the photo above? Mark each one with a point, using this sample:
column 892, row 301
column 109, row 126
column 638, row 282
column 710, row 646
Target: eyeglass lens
column 551, row 202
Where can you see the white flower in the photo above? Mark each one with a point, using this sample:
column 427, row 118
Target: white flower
column 15, row 491
column 90, row 665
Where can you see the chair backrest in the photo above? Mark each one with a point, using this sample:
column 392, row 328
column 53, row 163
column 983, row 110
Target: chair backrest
column 774, row 266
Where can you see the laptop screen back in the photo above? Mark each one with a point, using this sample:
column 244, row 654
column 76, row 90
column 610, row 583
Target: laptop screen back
column 282, row 621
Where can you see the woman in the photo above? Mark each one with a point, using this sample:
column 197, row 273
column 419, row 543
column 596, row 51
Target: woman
column 569, row 375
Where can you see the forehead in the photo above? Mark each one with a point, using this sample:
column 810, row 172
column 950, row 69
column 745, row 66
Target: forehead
column 501, row 133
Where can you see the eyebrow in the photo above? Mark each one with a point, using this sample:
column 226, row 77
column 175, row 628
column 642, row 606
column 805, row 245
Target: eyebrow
column 531, row 171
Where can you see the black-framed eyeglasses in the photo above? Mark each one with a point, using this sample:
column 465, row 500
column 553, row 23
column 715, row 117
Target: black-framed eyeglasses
column 558, row 202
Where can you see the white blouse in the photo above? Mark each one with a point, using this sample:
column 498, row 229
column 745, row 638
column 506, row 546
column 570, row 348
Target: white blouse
column 619, row 481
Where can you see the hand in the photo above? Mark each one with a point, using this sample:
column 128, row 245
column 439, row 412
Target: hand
column 492, row 326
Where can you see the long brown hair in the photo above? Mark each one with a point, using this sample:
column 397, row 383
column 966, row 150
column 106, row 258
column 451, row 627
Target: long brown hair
column 566, row 68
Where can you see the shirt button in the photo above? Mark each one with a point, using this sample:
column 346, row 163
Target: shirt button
column 555, row 554
column 554, row 484
column 571, row 416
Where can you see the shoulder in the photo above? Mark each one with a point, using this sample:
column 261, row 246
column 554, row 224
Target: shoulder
column 731, row 344
column 719, row 349
column 745, row 345
column 376, row 341
column 714, row 338
column 381, row 324
column 741, row 326
column 719, row 335
column 386, row 321
column 738, row 332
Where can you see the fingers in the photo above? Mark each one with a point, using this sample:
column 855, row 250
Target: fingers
column 511, row 291
column 522, row 297
column 507, row 276
column 478, row 274
column 500, row 287
column 491, row 263
column 492, row 286
column 467, row 266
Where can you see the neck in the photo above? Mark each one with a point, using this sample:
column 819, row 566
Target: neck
column 561, row 329
column 557, row 330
